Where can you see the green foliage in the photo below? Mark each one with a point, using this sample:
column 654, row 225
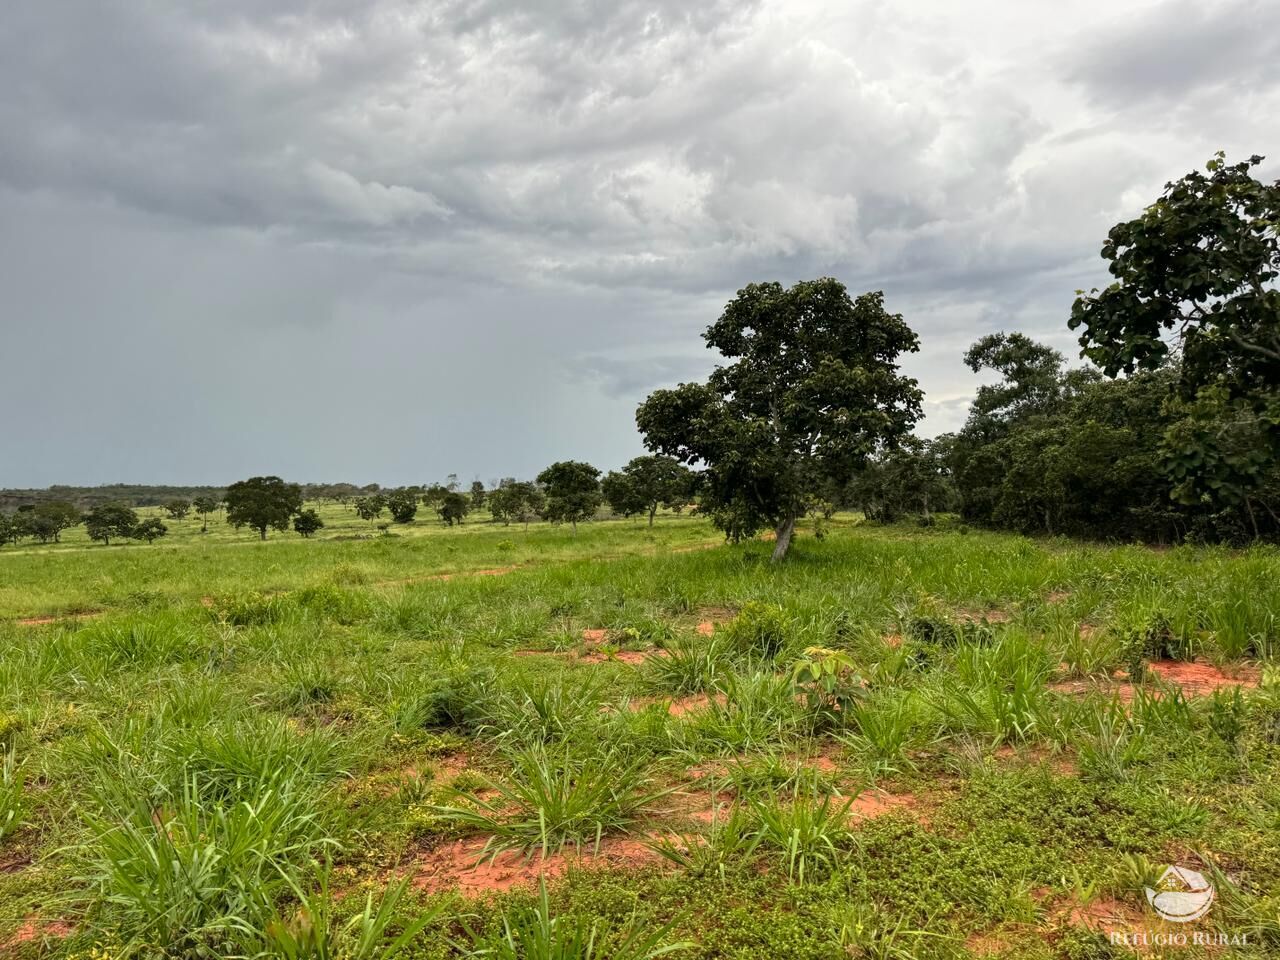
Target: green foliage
column 454, row 507
column 261, row 503
column 809, row 830
column 313, row 930
column 150, row 530
column 13, row 802
column 759, row 631
column 518, row 501
column 403, row 504
column 532, row 933
column 177, row 509
column 829, row 682
column 813, row 389
column 196, row 874
column 110, row 520
column 647, row 483
column 370, row 507
column 307, row 523
column 554, row 798
column 572, row 491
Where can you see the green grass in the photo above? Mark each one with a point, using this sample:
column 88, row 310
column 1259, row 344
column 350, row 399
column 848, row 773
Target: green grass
column 261, row 749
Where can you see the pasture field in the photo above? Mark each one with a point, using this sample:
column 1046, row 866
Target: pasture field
column 487, row 741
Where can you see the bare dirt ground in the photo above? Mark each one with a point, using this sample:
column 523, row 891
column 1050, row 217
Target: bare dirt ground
column 462, row 865
column 1196, row 680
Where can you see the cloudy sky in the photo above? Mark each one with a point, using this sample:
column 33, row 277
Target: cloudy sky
column 384, row 240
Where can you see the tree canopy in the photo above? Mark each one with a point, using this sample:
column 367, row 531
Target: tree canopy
column 110, row 520
column 647, row 483
column 812, row 391
column 572, row 490
column 262, row 503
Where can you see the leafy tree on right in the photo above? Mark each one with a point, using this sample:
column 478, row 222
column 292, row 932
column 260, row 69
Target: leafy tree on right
column 1196, row 278
column 812, row 391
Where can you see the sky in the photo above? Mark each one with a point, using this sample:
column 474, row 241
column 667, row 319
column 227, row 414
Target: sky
column 388, row 240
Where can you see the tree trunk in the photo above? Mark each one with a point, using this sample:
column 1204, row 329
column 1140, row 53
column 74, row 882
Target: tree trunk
column 574, row 524
column 263, row 533
column 653, row 509
column 783, row 538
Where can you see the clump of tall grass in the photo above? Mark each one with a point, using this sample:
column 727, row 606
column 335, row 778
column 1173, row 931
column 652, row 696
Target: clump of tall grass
column 311, row 928
column 13, row 801
column 553, row 798
column 998, row 693
column 760, row 631
column 534, row 933
column 809, row 830
column 532, row 709
column 691, row 665
column 253, row 609
column 200, row 872
column 885, row 728
column 754, row 710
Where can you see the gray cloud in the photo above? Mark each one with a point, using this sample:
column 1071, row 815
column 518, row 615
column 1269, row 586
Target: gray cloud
column 385, row 239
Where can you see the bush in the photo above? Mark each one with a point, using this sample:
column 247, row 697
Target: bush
column 758, row 632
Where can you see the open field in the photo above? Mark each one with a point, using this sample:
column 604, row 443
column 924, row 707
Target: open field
column 219, row 747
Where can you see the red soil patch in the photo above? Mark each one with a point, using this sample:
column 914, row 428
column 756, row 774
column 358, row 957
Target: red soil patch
column 1109, row 916
column 987, row 943
column 596, row 635
column 33, row 929
column 1058, row 596
column 491, row 572
column 1039, row 754
column 706, row 628
column 875, row 803
column 46, row 620
column 462, row 865
column 893, row 640
column 1195, row 679
column 699, row 701
column 984, row 616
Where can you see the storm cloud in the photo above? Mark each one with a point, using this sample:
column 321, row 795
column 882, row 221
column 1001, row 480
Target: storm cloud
column 388, row 240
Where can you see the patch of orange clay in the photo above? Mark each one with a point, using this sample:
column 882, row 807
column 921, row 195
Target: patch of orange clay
column 1057, row 596
column 1195, row 679
column 46, row 620
column 463, row 865
column 706, row 628
column 595, row 635
column 33, row 929
column 875, row 803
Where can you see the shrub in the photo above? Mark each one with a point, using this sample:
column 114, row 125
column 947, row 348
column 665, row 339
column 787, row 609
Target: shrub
column 758, row 632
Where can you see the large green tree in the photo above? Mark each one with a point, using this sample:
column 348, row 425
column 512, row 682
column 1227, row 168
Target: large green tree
column 573, row 492
column 403, row 504
column 110, row 520
column 262, row 503
column 647, row 483
column 517, row 500
column 1196, row 270
column 205, row 505
column 812, row 390
column 50, row 518
column 1196, row 275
